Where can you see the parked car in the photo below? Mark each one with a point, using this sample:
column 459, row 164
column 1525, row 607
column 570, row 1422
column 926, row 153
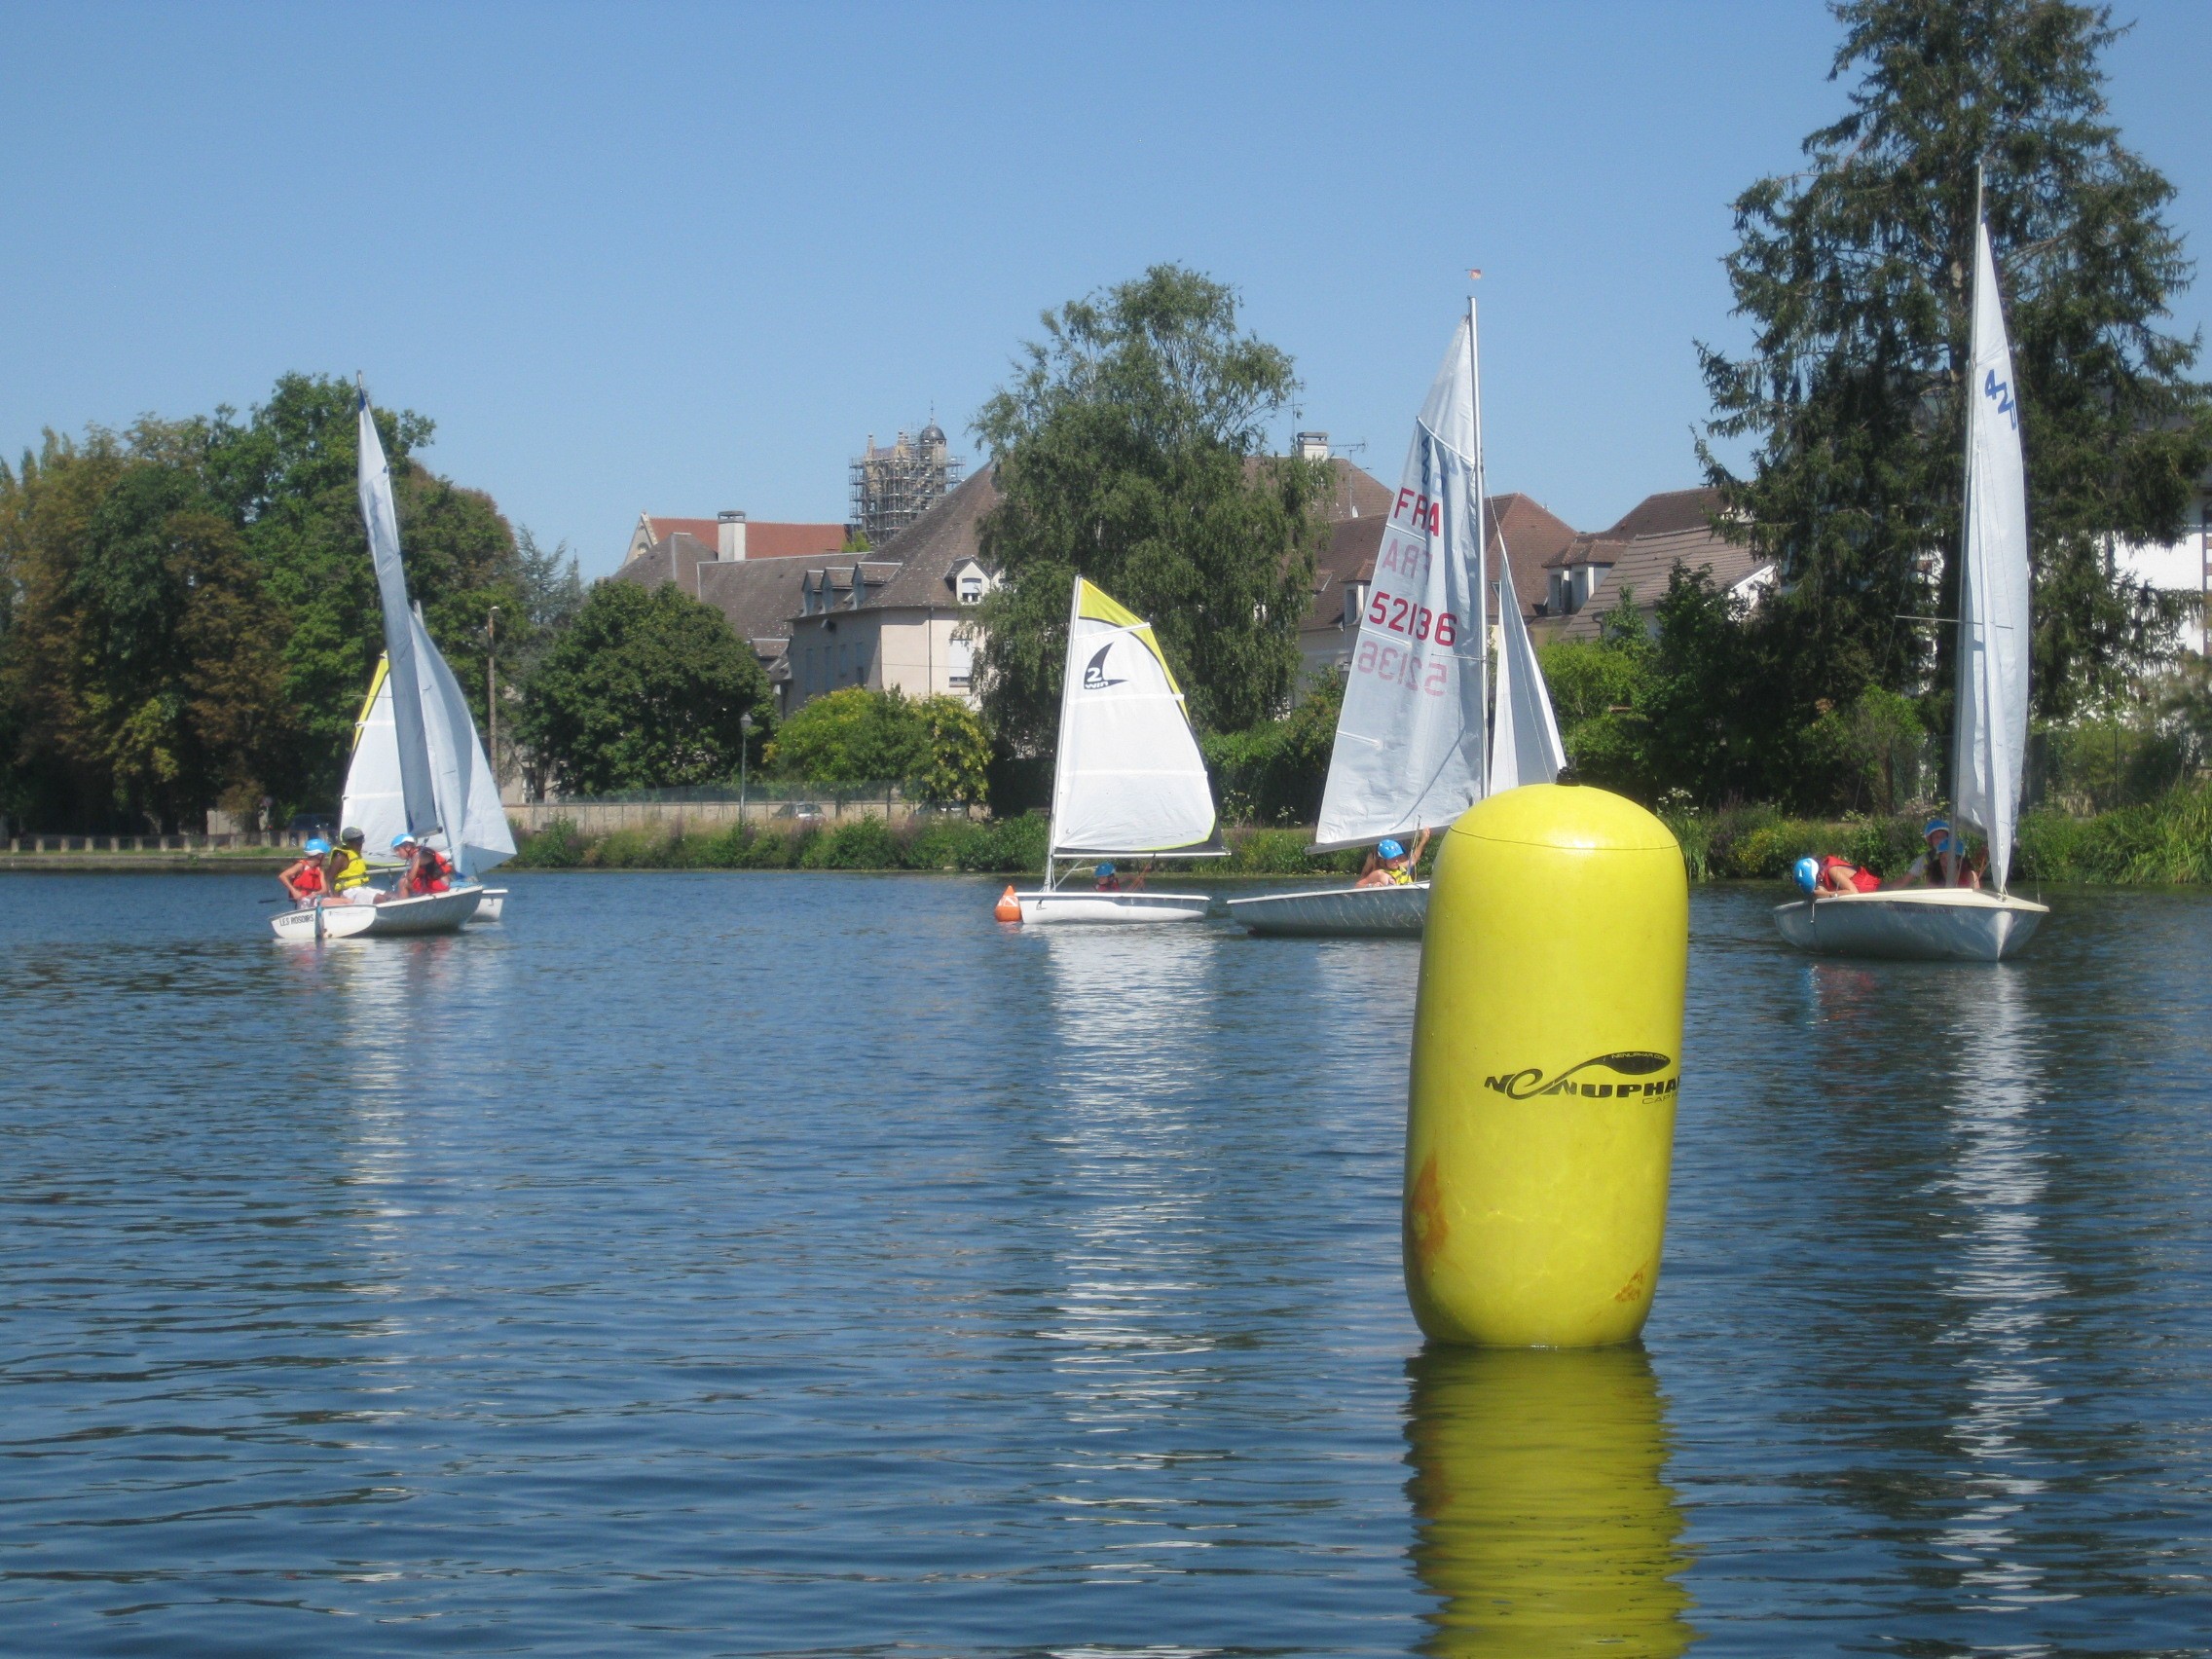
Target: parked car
column 800, row 811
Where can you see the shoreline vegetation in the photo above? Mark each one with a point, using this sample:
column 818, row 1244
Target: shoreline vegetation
column 2157, row 843
column 2161, row 842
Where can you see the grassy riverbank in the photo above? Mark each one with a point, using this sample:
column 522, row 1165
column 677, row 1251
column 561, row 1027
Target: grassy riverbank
column 1013, row 846
column 2159, row 842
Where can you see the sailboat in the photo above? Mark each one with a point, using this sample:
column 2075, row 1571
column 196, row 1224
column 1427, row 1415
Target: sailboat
column 460, row 773
column 418, row 779
column 1129, row 780
column 1408, row 753
column 1991, row 740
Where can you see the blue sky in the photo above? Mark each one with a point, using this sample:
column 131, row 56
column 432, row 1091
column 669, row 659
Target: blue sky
column 689, row 257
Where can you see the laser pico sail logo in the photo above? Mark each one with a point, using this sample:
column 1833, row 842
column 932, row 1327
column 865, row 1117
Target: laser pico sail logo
column 1629, row 1063
column 1094, row 678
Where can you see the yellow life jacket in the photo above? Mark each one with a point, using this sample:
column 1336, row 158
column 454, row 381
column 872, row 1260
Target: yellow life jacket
column 352, row 872
column 1403, row 876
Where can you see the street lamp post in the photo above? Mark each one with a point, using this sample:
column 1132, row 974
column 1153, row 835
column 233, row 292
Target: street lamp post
column 744, row 754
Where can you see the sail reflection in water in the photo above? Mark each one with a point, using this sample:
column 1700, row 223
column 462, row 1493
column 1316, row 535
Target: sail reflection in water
column 1542, row 1520
column 1999, row 1283
column 1130, row 1347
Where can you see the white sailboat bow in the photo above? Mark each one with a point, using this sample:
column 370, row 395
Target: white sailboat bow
column 1408, row 753
column 1991, row 721
column 1129, row 780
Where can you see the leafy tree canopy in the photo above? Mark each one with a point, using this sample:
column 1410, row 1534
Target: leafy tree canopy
column 1856, row 275
column 1127, row 448
column 936, row 748
column 646, row 688
column 188, row 612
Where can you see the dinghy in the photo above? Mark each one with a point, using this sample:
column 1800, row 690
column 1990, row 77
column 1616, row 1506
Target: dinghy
column 413, row 772
column 1409, row 746
column 1948, row 923
column 1129, row 782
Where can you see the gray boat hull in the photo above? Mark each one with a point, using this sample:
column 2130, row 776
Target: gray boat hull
column 1337, row 912
column 1918, row 924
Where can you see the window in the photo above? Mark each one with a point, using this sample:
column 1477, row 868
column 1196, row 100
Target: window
column 959, row 664
column 972, row 586
column 1355, row 602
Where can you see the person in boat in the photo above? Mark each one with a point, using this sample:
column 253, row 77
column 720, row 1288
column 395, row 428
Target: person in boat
column 1940, row 864
column 1831, row 874
column 1390, row 865
column 1974, row 874
column 1111, row 880
column 305, row 878
column 348, row 868
column 427, row 870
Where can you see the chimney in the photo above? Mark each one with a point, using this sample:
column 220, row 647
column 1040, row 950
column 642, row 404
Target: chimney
column 1311, row 446
column 729, row 536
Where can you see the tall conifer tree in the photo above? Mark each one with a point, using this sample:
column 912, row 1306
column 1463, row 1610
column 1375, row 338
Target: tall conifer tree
column 1857, row 276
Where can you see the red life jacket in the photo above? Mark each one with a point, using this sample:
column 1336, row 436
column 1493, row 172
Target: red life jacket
column 1864, row 880
column 310, row 879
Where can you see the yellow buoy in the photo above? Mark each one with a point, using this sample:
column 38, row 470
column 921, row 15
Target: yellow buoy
column 1547, row 1049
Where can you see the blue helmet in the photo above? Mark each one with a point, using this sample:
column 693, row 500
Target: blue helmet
column 1807, row 874
column 1937, row 826
column 1389, row 850
column 317, row 846
column 402, row 840
column 1105, row 869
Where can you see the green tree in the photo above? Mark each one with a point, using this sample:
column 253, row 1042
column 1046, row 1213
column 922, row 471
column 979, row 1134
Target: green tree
column 287, row 477
column 1274, row 772
column 956, row 754
column 143, row 679
column 645, row 689
column 1856, row 275
column 852, row 736
column 1128, row 451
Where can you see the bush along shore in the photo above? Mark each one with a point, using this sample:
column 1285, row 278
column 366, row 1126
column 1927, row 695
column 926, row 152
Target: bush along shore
column 2154, row 843
column 2158, row 842
column 1006, row 846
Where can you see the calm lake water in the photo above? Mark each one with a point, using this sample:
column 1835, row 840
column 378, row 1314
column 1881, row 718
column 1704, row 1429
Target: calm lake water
column 782, row 1264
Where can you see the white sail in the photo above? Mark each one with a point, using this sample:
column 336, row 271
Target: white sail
column 1409, row 748
column 1129, row 778
column 375, row 803
column 1524, row 745
column 1992, row 718
column 475, row 826
column 383, row 519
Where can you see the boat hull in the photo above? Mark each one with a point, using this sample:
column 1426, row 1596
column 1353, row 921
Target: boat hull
column 1337, row 912
column 1921, row 924
column 395, row 918
column 494, row 906
column 1053, row 908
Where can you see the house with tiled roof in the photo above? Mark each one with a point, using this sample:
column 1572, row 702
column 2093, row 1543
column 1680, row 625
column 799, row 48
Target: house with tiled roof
column 1524, row 533
column 1638, row 557
column 733, row 537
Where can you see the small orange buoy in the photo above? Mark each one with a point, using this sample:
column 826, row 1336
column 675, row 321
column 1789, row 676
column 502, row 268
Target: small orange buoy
column 1008, row 907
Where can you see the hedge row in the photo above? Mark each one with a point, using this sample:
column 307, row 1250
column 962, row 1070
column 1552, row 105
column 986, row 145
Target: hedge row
column 1011, row 846
column 2162, row 841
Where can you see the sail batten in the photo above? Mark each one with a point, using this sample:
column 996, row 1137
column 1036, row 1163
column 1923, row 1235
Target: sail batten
column 1409, row 747
column 1993, row 650
column 1128, row 778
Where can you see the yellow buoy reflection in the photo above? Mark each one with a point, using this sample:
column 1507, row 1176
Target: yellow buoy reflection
column 1542, row 1521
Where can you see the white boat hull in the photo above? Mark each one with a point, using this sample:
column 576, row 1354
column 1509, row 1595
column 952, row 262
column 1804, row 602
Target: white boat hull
column 494, row 906
column 1337, row 912
column 432, row 913
column 1921, row 924
column 1076, row 906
